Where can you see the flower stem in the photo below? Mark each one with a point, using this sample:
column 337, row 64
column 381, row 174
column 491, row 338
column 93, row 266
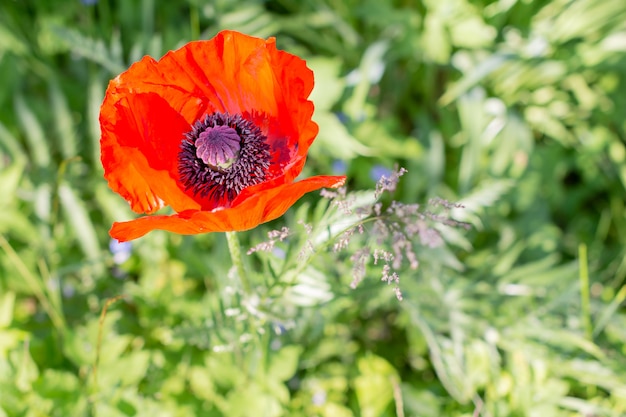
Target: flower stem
column 235, row 253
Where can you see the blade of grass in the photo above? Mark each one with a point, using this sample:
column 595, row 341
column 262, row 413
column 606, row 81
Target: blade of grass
column 64, row 123
column 36, row 286
column 103, row 314
column 78, row 217
column 10, row 144
column 34, row 133
column 584, row 291
column 609, row 311
column 95, row 95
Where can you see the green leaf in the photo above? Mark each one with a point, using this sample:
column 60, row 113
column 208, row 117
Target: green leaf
column 328, row 84
column 64, row 122
column 7, row 303
column 61, row 385
column 201, row 383
column 91, row 49
column 284, row 363
column 27, row 370
column 10, row 144
column 78, row 217
column 336, row 140
column 9, row 181
column 435, row 39
column 95, row 96
column 128, row 369
column 478, row 200
column 374, row 385
column 310, row 288
column 475, row 76
column 34, row 132
column 368, row 73
column 9, row 41
column 249, row 399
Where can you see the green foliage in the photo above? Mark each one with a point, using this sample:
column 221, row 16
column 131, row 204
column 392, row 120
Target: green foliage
column 514, row 109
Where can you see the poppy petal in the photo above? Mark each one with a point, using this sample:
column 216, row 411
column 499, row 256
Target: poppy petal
column 258, row 208
column 295, row 85
column 141, row 136
column 232, row 72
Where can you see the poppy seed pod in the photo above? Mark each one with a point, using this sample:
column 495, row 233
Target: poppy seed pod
column 218, row 130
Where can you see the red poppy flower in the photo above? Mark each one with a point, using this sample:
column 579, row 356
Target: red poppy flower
column 217, row 130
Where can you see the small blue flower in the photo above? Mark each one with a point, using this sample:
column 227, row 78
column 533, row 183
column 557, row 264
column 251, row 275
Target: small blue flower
column 378, row 171
column 279, row 253
column 279, row 328
column 88, row 2
column 121, row 251
column 342, row 117
column 68, row 290
column 339, row 167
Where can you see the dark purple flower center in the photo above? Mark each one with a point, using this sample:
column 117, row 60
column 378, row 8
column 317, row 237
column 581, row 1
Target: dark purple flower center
column 218, row 146
column 222, row 155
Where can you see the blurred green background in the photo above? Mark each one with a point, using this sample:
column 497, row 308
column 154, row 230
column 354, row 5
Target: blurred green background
column 514, row 108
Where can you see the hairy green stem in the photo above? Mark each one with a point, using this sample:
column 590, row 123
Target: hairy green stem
column 235, row 253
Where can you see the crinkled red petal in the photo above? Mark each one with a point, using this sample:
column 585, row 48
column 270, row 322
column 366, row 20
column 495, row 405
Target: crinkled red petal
column 258, row 208
column 141, row 137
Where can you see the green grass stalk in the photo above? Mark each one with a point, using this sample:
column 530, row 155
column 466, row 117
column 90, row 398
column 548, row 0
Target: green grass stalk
column 584, row 291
